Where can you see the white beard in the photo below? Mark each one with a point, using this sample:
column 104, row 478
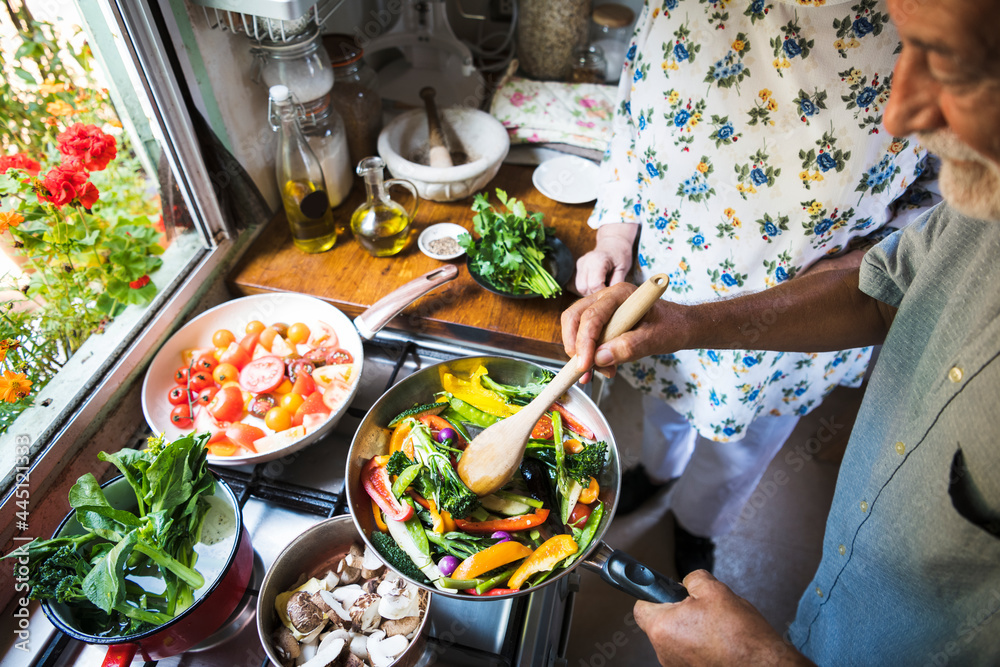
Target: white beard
column 969, row 182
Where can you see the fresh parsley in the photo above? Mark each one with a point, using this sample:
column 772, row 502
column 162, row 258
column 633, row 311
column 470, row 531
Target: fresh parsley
column 511, row 247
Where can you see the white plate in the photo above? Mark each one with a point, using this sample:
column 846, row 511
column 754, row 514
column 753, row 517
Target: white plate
column 439, row 231
column 568, row 179
column 234, row 316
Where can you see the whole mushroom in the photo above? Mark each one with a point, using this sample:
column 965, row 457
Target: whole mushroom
column 303, row 614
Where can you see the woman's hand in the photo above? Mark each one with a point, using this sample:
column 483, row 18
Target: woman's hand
column 610, row 260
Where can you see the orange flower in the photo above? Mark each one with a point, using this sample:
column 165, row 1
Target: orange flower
column 60, row 108
column 9, row 219
column 50, row 87
column 14, row 386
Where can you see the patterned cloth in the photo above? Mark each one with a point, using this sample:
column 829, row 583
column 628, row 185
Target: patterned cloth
column 910, row 573
column 748, row 145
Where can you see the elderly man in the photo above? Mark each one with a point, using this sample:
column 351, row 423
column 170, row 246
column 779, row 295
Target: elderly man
column 910, row 573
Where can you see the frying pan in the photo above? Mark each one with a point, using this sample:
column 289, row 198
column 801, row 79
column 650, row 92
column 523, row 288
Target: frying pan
column 269, row 308
column 226, row 565
column 372, row 439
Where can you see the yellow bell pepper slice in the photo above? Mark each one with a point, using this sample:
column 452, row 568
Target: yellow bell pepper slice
column 472, row 392
column 544, row 558
column 491, row 558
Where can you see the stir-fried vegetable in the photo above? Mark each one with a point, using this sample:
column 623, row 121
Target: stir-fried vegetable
column 460, row 542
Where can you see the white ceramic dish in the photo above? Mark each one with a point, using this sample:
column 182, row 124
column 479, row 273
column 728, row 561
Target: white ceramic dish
column 568, row 179
column 234, row 316
column 439, row 231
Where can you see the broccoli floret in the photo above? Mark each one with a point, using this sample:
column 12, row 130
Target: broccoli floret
column 587, row 463
column 397, row 463
column 449, row 492
column 527, row 391
column 60, row 576
column 395, row 556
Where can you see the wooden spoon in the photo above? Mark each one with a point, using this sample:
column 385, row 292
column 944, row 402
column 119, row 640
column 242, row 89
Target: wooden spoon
column 494, row 455
column 439, row 155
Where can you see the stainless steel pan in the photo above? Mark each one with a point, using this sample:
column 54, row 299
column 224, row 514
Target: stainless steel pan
column 372, row 438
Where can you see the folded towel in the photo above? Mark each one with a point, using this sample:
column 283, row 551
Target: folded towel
column 552, row 112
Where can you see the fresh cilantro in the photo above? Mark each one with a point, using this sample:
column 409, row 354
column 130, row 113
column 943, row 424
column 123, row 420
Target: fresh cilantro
column 511, row 247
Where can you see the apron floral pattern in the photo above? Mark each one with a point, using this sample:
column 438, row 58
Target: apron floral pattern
column 748, row 144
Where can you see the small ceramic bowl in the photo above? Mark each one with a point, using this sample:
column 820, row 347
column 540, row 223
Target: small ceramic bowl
column 442, row 230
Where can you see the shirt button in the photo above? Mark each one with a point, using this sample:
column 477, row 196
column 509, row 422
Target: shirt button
column 900, row 448
column 864, row 505
column 955, row 374
column 842, row 550
column 819, row 591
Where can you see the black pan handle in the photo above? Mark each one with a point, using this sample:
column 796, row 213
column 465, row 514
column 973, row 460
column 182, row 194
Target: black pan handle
column 630, row 576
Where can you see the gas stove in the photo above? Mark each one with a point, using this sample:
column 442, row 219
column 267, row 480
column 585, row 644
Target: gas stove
column 282, row 498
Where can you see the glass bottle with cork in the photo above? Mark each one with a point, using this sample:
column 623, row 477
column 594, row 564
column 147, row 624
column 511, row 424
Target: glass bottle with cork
column 300, row 178
column 354, row 95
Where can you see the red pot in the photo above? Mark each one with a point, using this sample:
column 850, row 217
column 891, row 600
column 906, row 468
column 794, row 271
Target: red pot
column 227, row 567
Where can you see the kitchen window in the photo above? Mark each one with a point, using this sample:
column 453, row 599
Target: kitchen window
column 78, row 86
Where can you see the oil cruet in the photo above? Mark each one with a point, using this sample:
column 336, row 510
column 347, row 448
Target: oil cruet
column 381, row 225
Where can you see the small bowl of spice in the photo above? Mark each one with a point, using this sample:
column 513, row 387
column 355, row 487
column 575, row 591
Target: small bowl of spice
column 440, row 241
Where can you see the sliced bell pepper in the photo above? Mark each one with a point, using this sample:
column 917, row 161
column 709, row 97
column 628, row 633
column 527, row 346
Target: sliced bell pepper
column 543, row 559
column 523, row 522
column 398, row 437
column 572, row 423
column 491, row 558
column 500, row 591
column 378, row 517
column 472, row 391
column 375, row 479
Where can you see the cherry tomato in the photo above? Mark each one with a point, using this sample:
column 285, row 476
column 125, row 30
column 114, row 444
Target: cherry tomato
column 278, row 419
column 304, row 384
column 180, row 416
column 181, row 375
column 284, row 387
column 249, row 342
column 339, row 356
column 298, row 333
column 578, row 517
column 227, row 405
column 200, row 380
column 281, row 328
column 224, row 373
column 178, row 395
column 254, row 327
column 206, row 362
column 206, row 395
column 267, row 337
column 235, row 355
column 290, row 402
column 260, row 405
column 262, row 375
column 299, row 367
column 317, row 356
column 222, row 338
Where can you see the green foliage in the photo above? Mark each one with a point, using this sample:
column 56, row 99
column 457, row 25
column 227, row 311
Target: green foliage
column 450, row 494
column 397, row 463
column 511, row 247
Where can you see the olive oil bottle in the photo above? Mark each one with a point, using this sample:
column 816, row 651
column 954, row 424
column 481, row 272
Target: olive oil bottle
column 381, row 225
column 300, row 178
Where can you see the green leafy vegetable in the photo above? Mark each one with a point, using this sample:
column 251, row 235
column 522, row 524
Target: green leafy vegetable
column 511, row 247
column 450, row 494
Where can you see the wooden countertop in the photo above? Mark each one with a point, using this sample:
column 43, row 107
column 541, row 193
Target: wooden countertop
column 349, row 278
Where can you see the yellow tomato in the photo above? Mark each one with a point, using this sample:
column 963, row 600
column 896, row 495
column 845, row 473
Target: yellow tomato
column 278, row 419
column 267, row 337
column 284, row 387
column 224, row 373
column 298, row 333
column 254, row 327
column 290, row 402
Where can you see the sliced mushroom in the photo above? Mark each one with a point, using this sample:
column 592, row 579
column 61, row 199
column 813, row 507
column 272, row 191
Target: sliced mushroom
column 339, row 615
column 399, row 600
column 359, row 646
column 354, row 661
column 364, row 612
column 303, row 614
column 371, row 585
column 285, row 644
column 349, row 568
column 332, row 579
column 348, row 594
column 327, row 654
column 320, row 603
column 371, row 564
column 403, row 626
column 383, row 651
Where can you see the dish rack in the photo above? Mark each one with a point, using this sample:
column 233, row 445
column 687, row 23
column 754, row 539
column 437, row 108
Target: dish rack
column 274, row 20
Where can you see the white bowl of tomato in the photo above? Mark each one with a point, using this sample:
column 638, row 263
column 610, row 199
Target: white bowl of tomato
column 265, row 375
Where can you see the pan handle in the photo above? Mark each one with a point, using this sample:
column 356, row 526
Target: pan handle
column 120, row 655
column 372, row 320
column 630, row 576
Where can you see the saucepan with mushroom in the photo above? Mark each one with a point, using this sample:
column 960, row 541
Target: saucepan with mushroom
column 328, row 599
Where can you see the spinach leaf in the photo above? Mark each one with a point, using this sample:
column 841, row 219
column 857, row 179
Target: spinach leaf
column 105, row 584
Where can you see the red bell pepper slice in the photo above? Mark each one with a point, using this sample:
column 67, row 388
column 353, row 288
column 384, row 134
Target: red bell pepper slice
column 523, row 522
column 492, row 591
column 375, row 479
column 572, row 423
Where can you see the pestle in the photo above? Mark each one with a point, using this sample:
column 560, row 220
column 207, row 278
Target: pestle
column 439, row 156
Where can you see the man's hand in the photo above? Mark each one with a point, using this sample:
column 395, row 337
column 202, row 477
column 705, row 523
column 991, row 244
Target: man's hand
column 610, row 260
column 713, row 626
column 582, row 323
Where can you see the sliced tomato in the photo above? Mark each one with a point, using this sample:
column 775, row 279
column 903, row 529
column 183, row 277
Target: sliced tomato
column 249, row 341
column 235, row 355
column 178, row 395
column 227, row 406
column 322, row 334
column 316, row 356
column 312, row 405
column 222, row 448
column 543, row 429
column 244, row 435
column 304, row 385
column 339, row 356
column 314, row 420
column 335, row 394
column 263, row 375
column 261, row 404
column 578, row 517
column 298, row 368
column 180, row 416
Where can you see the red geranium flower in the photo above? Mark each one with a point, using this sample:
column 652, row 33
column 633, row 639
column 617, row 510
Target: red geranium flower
column 139, row 283
column 19, row 161
column 87, row 145
column 66, row 183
